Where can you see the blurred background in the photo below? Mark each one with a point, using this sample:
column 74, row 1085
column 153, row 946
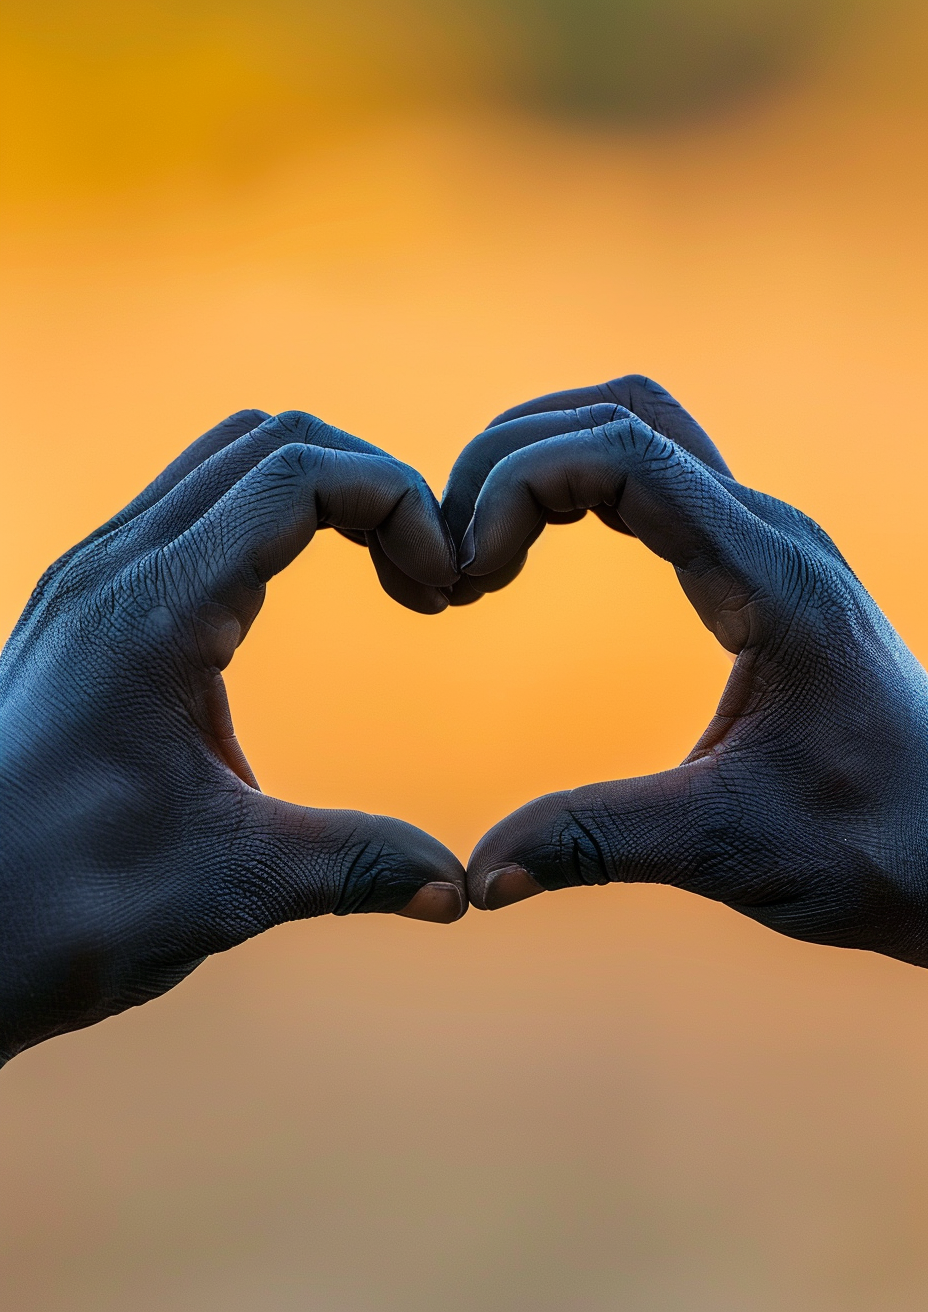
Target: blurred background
column 405, row 217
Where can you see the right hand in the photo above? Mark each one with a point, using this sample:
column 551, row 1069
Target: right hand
column 805, row 803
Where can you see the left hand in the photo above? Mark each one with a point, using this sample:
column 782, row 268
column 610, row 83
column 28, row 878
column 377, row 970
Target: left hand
column 135, row 840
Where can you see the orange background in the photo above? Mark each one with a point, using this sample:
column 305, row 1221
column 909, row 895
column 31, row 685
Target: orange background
column 622, row 1099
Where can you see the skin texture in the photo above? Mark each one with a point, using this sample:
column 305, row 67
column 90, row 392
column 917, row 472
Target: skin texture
column 135, row 839
column 805, row 803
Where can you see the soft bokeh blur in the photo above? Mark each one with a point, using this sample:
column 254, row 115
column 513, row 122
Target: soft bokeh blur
column 405, row 217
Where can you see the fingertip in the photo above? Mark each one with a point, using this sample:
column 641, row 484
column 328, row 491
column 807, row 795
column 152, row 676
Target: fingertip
column 441, row 903
column 497, row 579
column 417, row 542
column 463, row 593
column 423, row 598
column 387, row 863
column 513, row 860
column 503, row 887
column 418, row 598
column 426, row 601
column 246, row 420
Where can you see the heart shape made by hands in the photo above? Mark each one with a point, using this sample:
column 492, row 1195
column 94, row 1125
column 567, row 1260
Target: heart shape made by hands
column 136, row 840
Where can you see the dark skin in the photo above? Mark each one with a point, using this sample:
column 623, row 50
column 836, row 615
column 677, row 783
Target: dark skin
column 136, row 841
column 805, row 803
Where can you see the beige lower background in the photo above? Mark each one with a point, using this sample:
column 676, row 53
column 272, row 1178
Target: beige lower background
column 620, row 1100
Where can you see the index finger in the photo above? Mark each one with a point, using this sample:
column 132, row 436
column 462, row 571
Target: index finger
column 642, row 397
column 475, row 463
column 731, row 563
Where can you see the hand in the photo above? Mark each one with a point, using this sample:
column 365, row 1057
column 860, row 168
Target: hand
column 805, row 803
column 135, row 840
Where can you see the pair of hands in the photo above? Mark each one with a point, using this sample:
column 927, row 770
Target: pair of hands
column 135, row 840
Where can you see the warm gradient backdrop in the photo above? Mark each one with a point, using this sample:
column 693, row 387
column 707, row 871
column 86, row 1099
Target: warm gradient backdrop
column 620, row 1100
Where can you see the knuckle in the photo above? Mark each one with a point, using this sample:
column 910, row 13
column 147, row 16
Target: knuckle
column 585, row 841
column 636, row 441
column 624, row 390
column 246, row 419
column 292, row 461
column 605, row 412
column 299, row 425
column 512, row 465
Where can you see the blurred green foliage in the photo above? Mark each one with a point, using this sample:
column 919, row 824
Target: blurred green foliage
column 646, row 60
column 96, row 92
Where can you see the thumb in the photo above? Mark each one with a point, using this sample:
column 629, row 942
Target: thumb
column 292, row 862
column 655, row 829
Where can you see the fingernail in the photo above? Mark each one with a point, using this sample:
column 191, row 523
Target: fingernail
column 507, row 885
column 440, row 903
